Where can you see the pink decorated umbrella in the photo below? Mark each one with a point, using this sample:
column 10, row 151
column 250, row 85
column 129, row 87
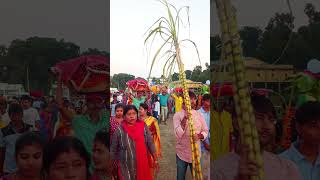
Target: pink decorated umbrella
column 85, row 73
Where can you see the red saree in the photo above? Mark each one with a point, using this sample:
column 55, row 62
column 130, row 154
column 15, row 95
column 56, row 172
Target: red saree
column 136, row 133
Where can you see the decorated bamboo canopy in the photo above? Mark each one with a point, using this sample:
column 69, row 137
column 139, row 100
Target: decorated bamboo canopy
column 190, row 84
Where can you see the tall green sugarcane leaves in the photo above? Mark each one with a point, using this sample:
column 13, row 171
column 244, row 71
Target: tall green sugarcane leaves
column 156, row 55
column 171, row 58
column 169, row 27
column 194, row 44
column 170, row 68
column 175, row 57
column 156, row 22
column 153, row 32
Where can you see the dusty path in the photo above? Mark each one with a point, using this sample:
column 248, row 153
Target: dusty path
column 168, row 167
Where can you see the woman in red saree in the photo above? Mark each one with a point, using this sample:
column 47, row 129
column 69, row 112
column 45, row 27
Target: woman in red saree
column 131, row 143
column 153, row 126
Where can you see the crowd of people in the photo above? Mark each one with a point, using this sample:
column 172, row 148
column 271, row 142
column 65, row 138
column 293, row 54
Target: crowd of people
column 299, row 162
column 134, row 115
column 50, row 138
column 55, row 138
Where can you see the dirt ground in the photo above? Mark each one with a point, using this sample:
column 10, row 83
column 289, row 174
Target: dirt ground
column 168, row 167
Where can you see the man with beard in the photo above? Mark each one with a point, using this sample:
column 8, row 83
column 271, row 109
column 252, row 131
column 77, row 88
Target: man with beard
column 305, row 151
column 236, row 166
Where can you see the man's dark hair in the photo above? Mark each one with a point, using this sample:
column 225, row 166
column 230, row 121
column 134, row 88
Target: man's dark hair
column 205, row 97
column 262, row 104
column 192, row 95
column 15, row 108
column 25, row 97
column 309, row 111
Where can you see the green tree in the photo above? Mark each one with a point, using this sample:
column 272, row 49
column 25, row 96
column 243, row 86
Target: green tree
column 251, row 39
column 313, row 15
column 196, row 73
column 175, row 76
column 215, row 48
column 3, row 50
column 95, row 51
column 188, row 74
column 119, row 80
column 36, row 55
column 275, row 38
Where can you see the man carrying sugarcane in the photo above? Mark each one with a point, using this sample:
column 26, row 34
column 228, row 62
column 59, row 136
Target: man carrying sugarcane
column 181, row 130
column 305, row 151
column 236, row 166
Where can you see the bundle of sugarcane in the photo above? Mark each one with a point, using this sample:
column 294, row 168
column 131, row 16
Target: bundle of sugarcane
column 232, row 52
column 168, row 29
column 194, row 146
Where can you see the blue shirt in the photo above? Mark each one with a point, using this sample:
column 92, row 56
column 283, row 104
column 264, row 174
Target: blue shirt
column 8, row 138
column 306, row 168
column 206, row 116
column 164, row 99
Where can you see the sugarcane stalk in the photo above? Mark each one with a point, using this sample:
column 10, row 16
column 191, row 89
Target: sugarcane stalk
column 244, row 110
column 196, row 167
column 169, row 28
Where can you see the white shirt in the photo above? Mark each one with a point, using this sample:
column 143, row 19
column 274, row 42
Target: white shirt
column 119, row 98
column 157, row 106
column 30, row 116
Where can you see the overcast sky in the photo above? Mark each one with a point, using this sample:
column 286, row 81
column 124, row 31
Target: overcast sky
column 84, row 22
column 131, row 19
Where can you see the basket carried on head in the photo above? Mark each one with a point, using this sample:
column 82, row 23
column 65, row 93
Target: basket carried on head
column 85, row 74
column 138, row 84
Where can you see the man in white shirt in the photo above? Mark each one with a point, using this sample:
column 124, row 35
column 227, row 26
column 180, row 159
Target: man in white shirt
column 30, row 114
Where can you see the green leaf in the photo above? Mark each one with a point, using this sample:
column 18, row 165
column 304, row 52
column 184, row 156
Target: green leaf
column 157, row 53
column 194, row 44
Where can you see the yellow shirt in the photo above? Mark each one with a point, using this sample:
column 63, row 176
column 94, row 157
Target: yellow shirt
column 177, row 102
column 221, row 133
